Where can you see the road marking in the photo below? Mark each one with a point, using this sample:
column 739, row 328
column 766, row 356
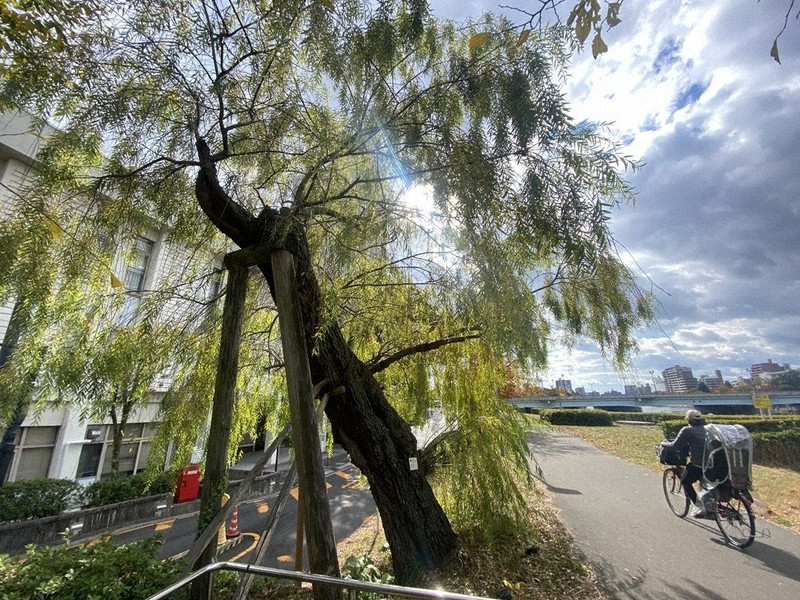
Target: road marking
column 295, row 491
column 255, row 537
column 343, row 475
column 164, row 525
column 134, row 528
column 285, row 558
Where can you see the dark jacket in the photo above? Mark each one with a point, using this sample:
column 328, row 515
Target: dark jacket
column 691, row 438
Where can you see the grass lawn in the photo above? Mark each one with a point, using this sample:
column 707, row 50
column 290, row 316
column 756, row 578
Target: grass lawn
column 776, row 491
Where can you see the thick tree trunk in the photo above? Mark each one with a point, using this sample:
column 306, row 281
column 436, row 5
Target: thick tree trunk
column 379, row 441
column 381, row 444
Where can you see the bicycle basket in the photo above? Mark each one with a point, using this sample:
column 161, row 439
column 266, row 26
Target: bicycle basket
column 670, row 456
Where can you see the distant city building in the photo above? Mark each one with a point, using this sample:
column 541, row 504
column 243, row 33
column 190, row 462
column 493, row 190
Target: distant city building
column 679, row 379
column 637, row 390
column 713, row 382
column 768, row 367
column 580, row 391
column 565, row 385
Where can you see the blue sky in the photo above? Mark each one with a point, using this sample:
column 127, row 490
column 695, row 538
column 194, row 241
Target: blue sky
column 690, row 88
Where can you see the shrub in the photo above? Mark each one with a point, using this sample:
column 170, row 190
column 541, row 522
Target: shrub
column 590, row 418
column 103, row 569
column 363, row 568
column 36, row 498
column 120, row 489
column 777, row 448
column 641, row 416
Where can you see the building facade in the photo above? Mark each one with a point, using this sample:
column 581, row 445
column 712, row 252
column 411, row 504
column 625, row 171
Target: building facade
column 564, row 386
column 713, row 382
column 768, row 367
column 679, row 379
column 63, row 441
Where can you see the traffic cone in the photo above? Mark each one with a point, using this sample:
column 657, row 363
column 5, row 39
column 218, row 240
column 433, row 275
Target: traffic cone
column 233, row 525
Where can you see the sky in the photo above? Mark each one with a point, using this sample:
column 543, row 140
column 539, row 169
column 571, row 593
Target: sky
column 690, row 89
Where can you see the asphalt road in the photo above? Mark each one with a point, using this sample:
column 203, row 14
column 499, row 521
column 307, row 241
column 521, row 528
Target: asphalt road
column 626, row 533
column 350, row 505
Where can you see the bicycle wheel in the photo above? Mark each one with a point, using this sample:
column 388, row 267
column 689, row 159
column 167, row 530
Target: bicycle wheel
column 673, row 492
column 736, row 521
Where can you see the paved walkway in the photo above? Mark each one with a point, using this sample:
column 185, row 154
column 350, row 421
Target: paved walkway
column 621, row 524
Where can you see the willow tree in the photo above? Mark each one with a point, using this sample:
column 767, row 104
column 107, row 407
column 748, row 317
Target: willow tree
column 318, row 127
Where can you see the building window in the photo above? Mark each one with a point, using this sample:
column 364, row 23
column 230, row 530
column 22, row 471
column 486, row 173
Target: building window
column 35, row 452
column 96, row 456
column 135, row 279
column 89, row 460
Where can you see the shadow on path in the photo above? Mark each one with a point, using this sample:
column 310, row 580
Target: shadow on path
column 627, row 585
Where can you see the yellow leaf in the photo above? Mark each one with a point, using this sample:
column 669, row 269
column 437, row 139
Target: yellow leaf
column 523, row 36
column 774, row 51
column 328, row 4
column 582, row 30
column 115, row 282
column 598, row 46
column 55, row 230
column 478, row 40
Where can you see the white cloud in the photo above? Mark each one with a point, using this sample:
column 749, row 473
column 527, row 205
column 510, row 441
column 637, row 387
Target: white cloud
column 690, row 85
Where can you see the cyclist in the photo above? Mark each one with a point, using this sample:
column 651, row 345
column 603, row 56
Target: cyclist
column 692, row 438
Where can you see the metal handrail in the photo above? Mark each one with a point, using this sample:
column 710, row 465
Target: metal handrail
column 352, row 585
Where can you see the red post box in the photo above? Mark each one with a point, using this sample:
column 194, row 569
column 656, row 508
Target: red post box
column 188, row 485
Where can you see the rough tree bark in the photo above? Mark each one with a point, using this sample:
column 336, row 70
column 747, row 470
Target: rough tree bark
column 379, row 441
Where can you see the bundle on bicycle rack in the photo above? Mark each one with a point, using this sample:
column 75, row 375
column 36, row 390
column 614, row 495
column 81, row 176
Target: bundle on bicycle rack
column 728, row 456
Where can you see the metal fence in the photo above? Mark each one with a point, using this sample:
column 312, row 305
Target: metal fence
column 350, row 585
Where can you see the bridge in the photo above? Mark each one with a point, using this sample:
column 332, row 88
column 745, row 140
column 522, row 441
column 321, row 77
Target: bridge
column 706, row 403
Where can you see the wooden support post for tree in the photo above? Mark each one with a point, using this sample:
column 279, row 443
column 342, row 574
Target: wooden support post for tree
column 246, row 580
column 319, row 532
column 209, row 533
column 299, row 536
column 215, row 475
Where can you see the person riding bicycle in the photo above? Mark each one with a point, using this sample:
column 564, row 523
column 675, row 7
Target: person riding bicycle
column 691, row 438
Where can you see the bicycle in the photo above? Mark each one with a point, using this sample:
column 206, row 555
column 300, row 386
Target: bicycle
column 730, row 507
column 673, row 490
column 734, row 515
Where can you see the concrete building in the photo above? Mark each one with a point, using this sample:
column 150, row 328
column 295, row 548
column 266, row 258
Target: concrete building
column 679, row 379
column 564, row 385
column 768, row 367
column 713, row 381
column 60, row 441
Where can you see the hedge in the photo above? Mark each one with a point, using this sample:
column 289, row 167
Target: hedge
column 586, row 418
column 777, row 449
column 36, row 498
column 120, row 489
column 753, row 423
column 654, row 417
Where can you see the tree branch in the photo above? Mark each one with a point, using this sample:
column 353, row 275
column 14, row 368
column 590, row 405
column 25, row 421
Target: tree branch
column 379, row 365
